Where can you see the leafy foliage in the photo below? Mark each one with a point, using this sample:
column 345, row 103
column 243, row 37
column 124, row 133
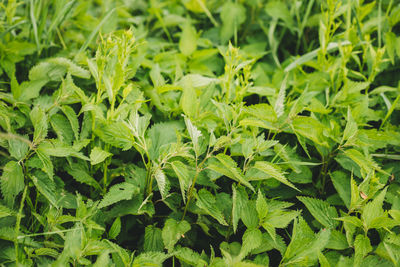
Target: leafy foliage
column 199, row 133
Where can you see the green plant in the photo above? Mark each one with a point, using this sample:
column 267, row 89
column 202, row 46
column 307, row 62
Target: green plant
column 199, row 133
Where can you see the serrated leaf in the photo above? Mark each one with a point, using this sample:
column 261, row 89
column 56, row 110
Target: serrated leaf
column 252, row 239
column 115, row 228
column 48, row 167
column 366, row 164
column 239, row 203
column 351, row 219
column 230, row 169
column 153, row 239
column 118, row 192
column 182, row 172
column 149, row 259
column 116, row 134
column 373, row 209
column 206, row 201
column 310, row 128
column 261, row 111
column 62, row 127
column 351, row 127
column 189, row 256
column 279, row 106
column 73, row 120
column 12, row 181
column 39, row 122
column 194, row 134
column 47, row 188
column 321, row 211
column 173, row 231
column 261, row 205
column 98, row 155
column 5, row 211
column 17, row 148
column 273, row 171
column 56, row 148
column 362, row 247
column 305, row 245
column 161, row 179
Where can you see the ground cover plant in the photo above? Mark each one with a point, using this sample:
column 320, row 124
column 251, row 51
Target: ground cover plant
column 199, row 133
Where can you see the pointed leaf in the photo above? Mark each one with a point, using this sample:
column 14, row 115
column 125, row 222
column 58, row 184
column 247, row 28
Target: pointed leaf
column 273, row 171
column 321, row 210
column 98, row 155
column 12, row 181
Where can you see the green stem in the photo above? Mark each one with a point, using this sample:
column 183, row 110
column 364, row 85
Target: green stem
column 17, row 224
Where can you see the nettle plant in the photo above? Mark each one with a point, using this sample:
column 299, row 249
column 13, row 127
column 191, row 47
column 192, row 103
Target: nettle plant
column 169, row 145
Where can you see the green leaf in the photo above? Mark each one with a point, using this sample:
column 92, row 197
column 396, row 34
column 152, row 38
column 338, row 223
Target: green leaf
column 81, row 174
column 391, row 42
column 73, row 242
column 12, row 181
column 56, row 148
column 39, row 121
column 351, row 219
column 162, row 134
column 305, row 245
column 342, row 185
column 239, row 203
column 17, row 148
column 73, row 120
column 351, row 127
column 161, row 179
column 321, row 210
column 337, row 241
column 116, row 134
column 118, row 192
column 279, row 10
column 182, row 172
column 206, row 201
column 373, row 209
column 5, row 211
column 115, row 228
column 310, row 128
column 189, row 102
column 97, row 155
column 189, row 256
column 173, row 231
column 152, row 258
column 194, row 134
column 31, row 89
column 47, row 188
column 188, row 40
column 279, row 106
column 48, row 167
column 62, row 127
column 260, row 111
column 252, row 239
column 261, row 206
column 273, row 171
column 229, row 168
column 362, row 247
column 232, row 16
column 366, row 164
column 153, row 239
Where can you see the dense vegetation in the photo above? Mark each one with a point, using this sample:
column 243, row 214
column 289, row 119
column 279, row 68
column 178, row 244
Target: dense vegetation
column 199, row 133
